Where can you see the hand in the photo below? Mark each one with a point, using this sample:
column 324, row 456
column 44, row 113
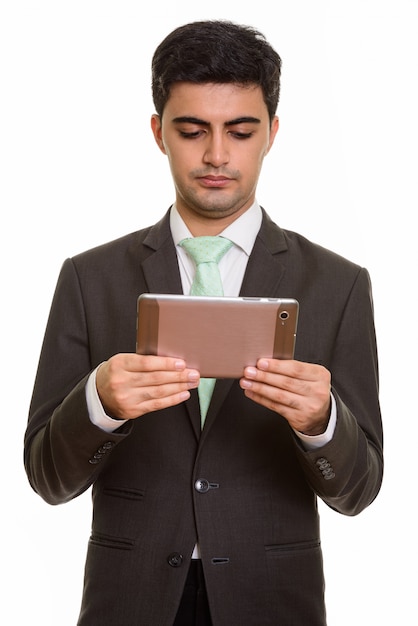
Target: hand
column 300, row 392
column 130, row 385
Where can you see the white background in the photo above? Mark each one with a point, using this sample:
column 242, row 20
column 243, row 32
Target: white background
column 79, row 167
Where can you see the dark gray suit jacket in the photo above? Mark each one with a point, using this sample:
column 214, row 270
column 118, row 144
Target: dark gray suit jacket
column 244, row 487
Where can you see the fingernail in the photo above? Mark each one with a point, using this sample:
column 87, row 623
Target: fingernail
column 250, row 372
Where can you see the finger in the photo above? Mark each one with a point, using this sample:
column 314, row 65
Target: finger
column 256, row 380
column 148, row 363
column 291, row 368
column 155, row 399
column 294, row 376
column 140, row 370
column 272, row 397
column 159, row 378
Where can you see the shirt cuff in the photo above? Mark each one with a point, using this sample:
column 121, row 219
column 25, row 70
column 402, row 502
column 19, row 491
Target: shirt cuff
column 317, row 441
column 95, row 408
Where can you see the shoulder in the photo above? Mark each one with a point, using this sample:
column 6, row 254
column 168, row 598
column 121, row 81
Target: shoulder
column 132, row 247
column 297, row 248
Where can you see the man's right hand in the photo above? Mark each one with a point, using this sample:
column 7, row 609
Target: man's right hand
column 130, row 385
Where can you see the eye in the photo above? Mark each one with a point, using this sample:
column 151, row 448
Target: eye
column 190, row 134
column 240, row 135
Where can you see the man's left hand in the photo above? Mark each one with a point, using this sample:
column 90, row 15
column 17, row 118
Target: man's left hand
column 300, row 392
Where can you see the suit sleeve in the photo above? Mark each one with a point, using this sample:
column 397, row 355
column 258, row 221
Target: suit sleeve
column 347, row 472
column 63, row 450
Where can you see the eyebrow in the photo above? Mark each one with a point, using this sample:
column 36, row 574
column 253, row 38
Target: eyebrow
column 195, row 120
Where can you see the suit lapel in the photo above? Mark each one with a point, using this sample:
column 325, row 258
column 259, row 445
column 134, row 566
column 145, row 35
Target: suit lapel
column 265, row 266
column 162, row 275
column 160, row 267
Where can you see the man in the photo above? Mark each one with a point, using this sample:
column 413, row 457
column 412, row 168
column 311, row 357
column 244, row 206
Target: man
column 216, row 525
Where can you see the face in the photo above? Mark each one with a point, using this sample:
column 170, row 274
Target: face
column 215, row 137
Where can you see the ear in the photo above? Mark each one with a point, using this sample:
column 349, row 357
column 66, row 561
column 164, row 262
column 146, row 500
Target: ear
column 156, row 128
column 273, row 132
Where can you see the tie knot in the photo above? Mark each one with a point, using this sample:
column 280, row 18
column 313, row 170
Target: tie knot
column 206, row 249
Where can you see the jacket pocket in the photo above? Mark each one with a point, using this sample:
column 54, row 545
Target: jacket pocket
column 108, row 541
column 127, row 493
column 284, row 549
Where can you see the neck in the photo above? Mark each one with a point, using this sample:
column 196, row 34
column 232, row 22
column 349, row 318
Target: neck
column 200, row 226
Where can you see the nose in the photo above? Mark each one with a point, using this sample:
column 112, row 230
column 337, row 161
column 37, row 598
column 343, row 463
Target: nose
column 216, row 152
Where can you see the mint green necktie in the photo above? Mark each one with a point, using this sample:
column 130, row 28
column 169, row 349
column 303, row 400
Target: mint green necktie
column 206, row 253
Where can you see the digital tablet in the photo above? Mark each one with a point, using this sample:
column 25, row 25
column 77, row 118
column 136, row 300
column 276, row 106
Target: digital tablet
column 218, row 336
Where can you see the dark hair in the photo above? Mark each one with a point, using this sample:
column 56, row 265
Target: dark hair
column 216, row 51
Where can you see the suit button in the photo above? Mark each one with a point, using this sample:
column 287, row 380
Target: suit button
column 175, row 559
column 202, row 485
column 108, row 445
column 325, row 468
column 96, row 458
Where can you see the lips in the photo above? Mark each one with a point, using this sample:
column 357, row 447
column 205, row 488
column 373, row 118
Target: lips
column 214, row 181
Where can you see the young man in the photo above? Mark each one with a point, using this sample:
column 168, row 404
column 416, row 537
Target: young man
column 215, row 525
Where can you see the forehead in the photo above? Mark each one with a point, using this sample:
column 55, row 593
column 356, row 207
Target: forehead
column 215, row 101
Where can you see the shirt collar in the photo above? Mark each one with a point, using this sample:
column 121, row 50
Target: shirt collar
column 243, row 231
